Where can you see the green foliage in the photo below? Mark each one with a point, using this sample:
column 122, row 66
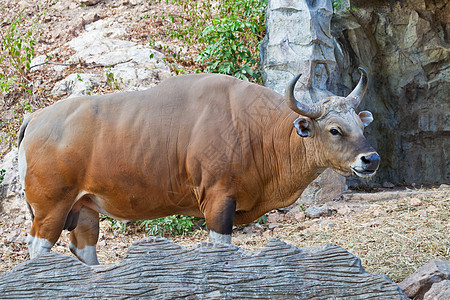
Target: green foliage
column 26, row 106
column 198, row 12
column 113, row 82
column 17, row 49
column 229, row 31
column 226, row 52
column 262, row 220
column 117, row 225
column 175, row 225
column 336, row 3
column 2, row 175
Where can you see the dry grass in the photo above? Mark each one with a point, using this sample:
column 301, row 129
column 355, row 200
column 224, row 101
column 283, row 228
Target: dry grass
column 390, row 237
column 395, row 243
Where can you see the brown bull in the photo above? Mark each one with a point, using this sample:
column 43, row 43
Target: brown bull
column 203, row 145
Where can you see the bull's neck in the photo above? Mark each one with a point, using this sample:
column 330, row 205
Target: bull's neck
column 296, row 163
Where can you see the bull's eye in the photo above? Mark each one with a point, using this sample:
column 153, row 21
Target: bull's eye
column 334, row 131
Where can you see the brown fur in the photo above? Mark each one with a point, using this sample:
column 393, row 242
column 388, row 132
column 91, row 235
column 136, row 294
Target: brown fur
column 185, row 147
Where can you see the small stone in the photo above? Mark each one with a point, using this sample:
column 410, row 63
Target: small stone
column 422, row 213
column 300, row 216
column 275, row 217
column 277, row 230
column 388, row 184
column 90, row 2
column 378, row 212
column 415, row 202
column 431, row 207
column 444, row 186
column 375, row 224
column 267, row 234
column 253, row 228
column 247, row 229
column 59, row 249
column 102, row 243
column 315, row 212
column 344, row 211
column 11, row 237
column 272, row 226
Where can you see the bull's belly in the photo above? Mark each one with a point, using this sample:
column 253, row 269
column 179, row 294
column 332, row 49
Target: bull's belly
column 138, row 207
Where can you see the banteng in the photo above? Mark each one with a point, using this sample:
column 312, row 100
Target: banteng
column 204, row 145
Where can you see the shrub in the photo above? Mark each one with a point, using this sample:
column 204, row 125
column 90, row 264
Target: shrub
column 17, row 49
column 226, row 52
column 174, row 225
column 228, row 32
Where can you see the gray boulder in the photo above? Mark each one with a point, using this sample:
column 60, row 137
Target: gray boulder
column 439, row 291
column 417, row 284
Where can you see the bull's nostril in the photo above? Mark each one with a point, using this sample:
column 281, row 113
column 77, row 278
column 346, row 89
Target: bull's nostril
column 365, row 160
column 371, row 160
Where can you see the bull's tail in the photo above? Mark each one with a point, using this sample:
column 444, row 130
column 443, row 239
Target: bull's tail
column 20, row 137
column 22, row 130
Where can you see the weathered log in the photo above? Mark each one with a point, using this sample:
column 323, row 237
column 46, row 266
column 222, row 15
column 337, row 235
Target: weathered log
column 159, row 269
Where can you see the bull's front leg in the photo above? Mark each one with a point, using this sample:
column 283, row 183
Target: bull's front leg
column 219, row 216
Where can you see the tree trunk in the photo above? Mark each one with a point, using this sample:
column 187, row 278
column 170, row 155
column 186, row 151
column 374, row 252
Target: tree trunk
column 159, row 269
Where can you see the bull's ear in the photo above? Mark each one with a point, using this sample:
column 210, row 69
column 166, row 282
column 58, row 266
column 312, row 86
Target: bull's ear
column 303, row 126
column 366, row 117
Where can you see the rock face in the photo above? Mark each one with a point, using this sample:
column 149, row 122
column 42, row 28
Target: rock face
column 404, row 45
column 130, row 66
column 11, row 200
column 298, row 40
column 158, row 269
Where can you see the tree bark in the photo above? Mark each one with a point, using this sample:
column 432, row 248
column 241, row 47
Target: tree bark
column 159, row 269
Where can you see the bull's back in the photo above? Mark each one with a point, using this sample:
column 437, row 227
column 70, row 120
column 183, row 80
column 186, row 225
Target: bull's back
column 144, row 154
column 129, row 149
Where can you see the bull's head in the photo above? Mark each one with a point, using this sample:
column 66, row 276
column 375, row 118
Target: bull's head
column 337, row 130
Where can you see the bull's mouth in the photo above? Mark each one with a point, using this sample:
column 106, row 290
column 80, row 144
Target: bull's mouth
column 363, row 173
column 343, row 172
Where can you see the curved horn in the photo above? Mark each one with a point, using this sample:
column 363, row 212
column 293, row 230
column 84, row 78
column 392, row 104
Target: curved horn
column 313, row 111
column 358, row 93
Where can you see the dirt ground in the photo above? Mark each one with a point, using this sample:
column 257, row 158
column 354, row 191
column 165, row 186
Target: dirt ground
column 394, row 232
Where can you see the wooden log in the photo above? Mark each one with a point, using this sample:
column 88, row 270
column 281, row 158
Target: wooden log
column 159, row 269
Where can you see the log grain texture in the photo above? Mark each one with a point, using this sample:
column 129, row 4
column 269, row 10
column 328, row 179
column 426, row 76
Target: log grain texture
column 156, row 268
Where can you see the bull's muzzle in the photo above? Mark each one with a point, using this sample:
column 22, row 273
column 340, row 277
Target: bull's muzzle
column 366, row 164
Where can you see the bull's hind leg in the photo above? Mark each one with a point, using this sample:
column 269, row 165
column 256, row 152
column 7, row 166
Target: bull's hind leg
column 47, row 226
column 219, row 216
column 83, row 238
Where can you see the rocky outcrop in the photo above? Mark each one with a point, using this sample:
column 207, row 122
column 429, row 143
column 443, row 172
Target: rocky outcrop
column 124, row 64
column 405, row 47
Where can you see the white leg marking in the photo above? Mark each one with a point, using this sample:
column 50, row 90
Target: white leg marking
column 22, row 166
column 37, row 246
column 88, row 254
column 219, row 238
